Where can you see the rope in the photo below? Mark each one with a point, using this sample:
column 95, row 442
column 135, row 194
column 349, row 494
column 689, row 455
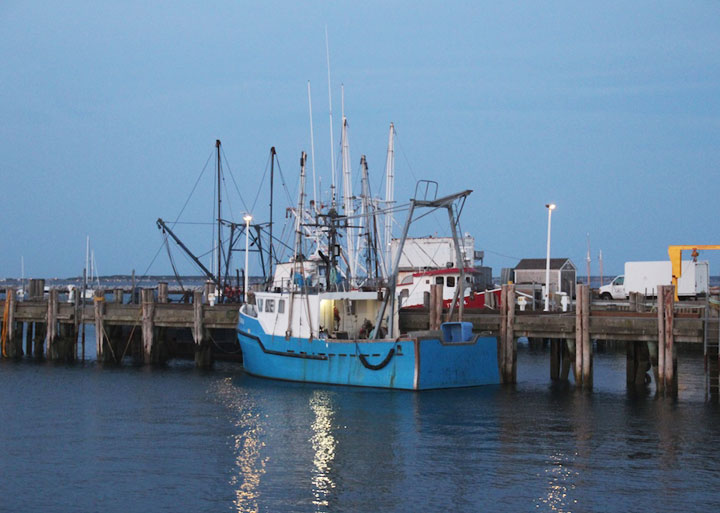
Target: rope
column 220, row 348
column 132, row 332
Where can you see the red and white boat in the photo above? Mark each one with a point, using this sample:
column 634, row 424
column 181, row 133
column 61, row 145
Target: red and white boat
column 413, row 287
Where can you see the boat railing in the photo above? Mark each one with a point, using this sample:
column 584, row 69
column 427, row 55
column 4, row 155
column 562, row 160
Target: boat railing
column 249, row 310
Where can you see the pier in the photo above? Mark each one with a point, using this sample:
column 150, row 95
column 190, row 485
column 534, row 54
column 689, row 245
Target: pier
column 149, row 328
column 650, row 330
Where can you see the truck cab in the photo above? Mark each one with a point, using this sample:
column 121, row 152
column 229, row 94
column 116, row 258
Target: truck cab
column 614, row 290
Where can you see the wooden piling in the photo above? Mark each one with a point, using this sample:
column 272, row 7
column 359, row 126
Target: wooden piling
column 118, row 295
column 555, row 358
column 660, row 385
column 100, row 338
column 162, row 292
column 148, row 327
column 587, row 366
column 432, row 322
column 579, row 353
column 13, row 330
column 511, row 345
column 502, row 339
column 670, row 358
column 29, row 338
column 203, row 349
column 507, row 350
column 36, row 290
column 52, row 325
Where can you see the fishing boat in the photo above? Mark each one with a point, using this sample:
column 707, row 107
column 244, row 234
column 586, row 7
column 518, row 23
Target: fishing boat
column 318, row 324
column 415, row 287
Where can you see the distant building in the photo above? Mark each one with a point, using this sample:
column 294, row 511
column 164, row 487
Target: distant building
column 563, row 274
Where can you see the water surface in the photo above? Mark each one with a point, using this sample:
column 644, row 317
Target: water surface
column 88, row 438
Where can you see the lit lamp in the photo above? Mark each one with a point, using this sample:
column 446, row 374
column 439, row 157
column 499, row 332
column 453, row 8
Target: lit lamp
column 247, row 218
column 550, row 207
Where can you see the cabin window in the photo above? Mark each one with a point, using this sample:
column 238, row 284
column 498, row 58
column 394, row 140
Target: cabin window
column 467, row 279
column 281, row 306
column 270, row 305
column 427, row 282
column 451, row 281
column 439, row 280
column 260, row 305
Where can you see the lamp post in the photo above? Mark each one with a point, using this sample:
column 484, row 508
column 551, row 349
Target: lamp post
column 550, row 207
column 247, row 218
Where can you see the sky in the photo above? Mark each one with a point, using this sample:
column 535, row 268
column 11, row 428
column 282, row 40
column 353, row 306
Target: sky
column 110, row 110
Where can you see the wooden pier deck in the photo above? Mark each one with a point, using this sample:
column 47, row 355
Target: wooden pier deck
column 140, row 329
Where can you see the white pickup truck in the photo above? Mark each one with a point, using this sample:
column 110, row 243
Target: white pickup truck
column 644, row 277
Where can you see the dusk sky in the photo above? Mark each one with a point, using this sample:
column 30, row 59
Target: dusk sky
column 110, row 111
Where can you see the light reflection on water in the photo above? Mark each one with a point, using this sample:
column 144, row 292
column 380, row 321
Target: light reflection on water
column 323, row 443
column 247, row 445
column 177, row 439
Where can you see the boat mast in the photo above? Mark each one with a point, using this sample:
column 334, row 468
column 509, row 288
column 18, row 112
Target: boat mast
column 300, row 208
column 366, row 216
column 348, row 201
column 219, row 223
column 389, row 198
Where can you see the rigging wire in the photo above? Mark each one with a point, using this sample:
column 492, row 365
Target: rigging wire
column 197, row 181
column 222, row 151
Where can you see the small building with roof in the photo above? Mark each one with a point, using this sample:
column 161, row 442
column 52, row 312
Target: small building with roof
column 563, row 274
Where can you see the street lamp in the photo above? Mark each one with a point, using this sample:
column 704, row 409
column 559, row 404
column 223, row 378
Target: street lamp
column 550, row 207
column 247, row 218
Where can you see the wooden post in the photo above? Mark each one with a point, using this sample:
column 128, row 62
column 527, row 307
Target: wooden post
column 76, row 321
column 631, row 363
column 29, row 338
column 438, row 305
column 670, row 359
column 555, row 358
column 579, row 298
column 432, row 325
column 148, row 327
column 502, row 352
column 587, row 367
column 203, row 349
column 511, row 345
column 660, row 385
column 118, row 295
column 52, row 325
column 162, row 292
column 36, row 290
column 99, row 306
column 13, row 343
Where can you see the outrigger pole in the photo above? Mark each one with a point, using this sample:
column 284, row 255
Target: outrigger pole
column 444, row 202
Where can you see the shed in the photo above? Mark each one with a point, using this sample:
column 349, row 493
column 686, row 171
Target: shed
column 562, row 272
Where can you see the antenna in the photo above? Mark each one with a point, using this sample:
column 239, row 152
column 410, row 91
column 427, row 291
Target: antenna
column 348, row 200
column 332, row 143
column 312, row 147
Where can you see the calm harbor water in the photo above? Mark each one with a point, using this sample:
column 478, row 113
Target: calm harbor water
column 88, row 438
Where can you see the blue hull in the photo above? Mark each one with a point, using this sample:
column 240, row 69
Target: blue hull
column 420, row 363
